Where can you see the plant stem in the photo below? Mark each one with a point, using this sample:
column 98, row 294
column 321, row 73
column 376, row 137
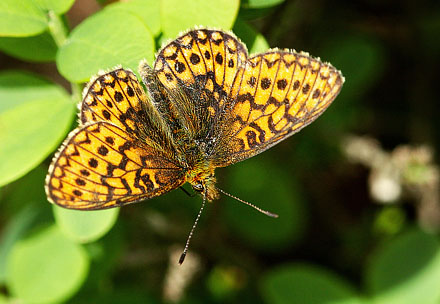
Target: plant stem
column 59, row 32
column 57, row 28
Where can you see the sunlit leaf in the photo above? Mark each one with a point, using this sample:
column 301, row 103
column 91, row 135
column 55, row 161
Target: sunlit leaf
column 24, row 47
column 254, row 41
column 28, row 17
column 406, row 270
column 103, row 41
column 85, row 226
column 47, row 267
column 180, row 15
column 21, row 18
column 58, row 6
column 13, row 231
column 147, row 10
column 35, row 116
column 260, row 3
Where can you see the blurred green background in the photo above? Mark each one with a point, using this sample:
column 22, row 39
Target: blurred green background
column 357, row 191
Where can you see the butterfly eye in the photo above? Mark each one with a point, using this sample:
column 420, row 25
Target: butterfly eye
column 198, row 187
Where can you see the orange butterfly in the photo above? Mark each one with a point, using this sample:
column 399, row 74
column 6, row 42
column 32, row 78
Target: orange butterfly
column 207, row 105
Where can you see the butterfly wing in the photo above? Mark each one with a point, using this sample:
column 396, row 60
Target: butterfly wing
column 121, row 152
column 243, row 106
column 202, row 56
column 100, row 166
column 198, row 70
column 275, row 95
column 118, row 98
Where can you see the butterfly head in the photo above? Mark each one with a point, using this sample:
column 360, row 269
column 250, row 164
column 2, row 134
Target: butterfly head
column 203, row 181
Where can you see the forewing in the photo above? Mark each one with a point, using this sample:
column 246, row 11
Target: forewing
column 113, row 97
column 198, row 70
column 101, row 166
column 276, row 95
column 118, row 98
column 208, row 56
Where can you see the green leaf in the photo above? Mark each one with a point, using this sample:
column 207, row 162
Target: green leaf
column 406, row 270
column 24, row 47
column 25, row 206
column 35, row 115
column 260, row 3
column 28, row 17
column 3, row 299
column 272, row 190
column 147, row 10
column 21, row 18
column 85, row 226
column 103, row 41
column 47, row 267
column 255, row 42
column 58, row 6
column 13, row 231
column 301, row 283
column 181, row 15
column 16, row 200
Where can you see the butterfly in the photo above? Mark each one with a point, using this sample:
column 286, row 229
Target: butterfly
column 207, row 104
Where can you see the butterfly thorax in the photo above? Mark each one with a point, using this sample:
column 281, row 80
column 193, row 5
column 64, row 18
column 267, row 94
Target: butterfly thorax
column 202, row 179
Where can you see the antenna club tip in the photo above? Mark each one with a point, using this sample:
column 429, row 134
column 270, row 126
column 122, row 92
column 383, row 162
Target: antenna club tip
column 182, row 258
column 274, row 215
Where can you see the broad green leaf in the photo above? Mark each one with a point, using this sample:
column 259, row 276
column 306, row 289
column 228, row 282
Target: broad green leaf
column 28, row 17
column 58, row 6
column 24, row 207
column 147, row 10
column 301, row 283
column 260, row 3
column 13, row 231
column 16, row 200
column 272, row 190
column 181, row 15
column 21, row 18
column 47, row 267
column 85, row 226
column 34, row 48
column 255, row 42
column 35, row 116
column 406, row 270
column 103, row 41
column 3, row 299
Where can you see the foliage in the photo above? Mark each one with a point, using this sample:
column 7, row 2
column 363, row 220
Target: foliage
column 331, row 244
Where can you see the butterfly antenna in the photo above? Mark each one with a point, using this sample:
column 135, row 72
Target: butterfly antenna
column 185, row 250
column 249, row 204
